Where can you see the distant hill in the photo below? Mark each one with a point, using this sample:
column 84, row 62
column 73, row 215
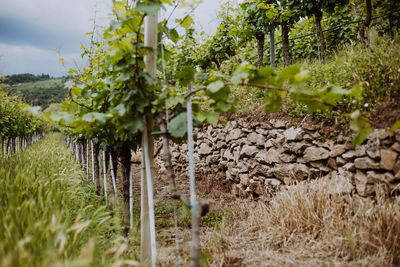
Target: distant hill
column 37, row 93
column 24, row 78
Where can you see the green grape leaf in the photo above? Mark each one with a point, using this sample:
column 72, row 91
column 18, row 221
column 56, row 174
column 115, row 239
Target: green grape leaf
column 215, row 86
column 187, row 21
column 95, row 116
column 178, row 125
column 61, row 117
column 272, row 102
column 121, row 109
column 186, row 75
column 150, row 8
column 238, row 75
column 134, row 124
column 361, row 136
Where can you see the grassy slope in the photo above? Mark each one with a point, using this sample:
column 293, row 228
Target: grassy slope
column 47, row 216
column 42, row 93
column 376, row 71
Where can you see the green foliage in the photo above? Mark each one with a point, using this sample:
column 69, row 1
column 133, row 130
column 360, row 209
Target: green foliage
column 377, row 72
column 41, row 93
column 16, row 120
column 48, row 216
column 24, row 78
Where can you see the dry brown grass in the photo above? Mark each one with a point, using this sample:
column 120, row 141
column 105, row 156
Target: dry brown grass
column 307, row 225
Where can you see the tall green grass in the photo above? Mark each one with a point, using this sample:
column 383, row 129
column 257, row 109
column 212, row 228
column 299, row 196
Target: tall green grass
column 50, row 216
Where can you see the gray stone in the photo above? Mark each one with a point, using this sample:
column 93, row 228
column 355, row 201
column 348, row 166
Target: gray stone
column 254, row 124
column 396, row 167
column 212, row 159
column 288, row 158
column 397, row 135
column 388, row 159
column 372, row 149
column 256, row 187
column 293, row 134
column 374, row 177
column 308, row 138
column 321, row 166
column 243, row 123
column 272, row 182
column 332, row 163
column 329, row 144
column 244, row 179
column 236, row 153
column 221, row 136
column 396, row 147
column 278, row 124
column 378, row 134
column 295, row 147
column 309, row 126
column 340, row 161
column 204, row 149
column 291, row 172
column 262, row 170
column 257, row 139
column 349, row 167
column 266, row 125
column 337, row 150
column 228, row 155
column 301, row 160
column 366, row 163
column 280, row 139
column 315, row 153
column 248, row 151
column 275, row 132
column 262, row 131
column 268, row 157
column 359, row 152
column 360, row 180
column 242, row 167
column 269, row 143
column 234, row 135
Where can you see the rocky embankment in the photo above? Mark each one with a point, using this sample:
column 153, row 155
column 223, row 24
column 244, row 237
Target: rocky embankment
column 256, row 159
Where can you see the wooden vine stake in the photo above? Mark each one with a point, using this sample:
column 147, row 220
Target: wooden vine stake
column 148, row 234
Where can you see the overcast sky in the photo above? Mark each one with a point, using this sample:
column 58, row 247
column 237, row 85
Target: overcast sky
column 32, row 30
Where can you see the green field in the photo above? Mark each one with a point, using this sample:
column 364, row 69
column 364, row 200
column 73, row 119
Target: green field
column 49, row 215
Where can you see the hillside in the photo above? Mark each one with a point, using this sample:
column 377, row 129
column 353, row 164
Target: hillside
column 39, row 93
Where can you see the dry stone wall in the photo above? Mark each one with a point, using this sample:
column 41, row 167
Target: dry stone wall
column 256, row 159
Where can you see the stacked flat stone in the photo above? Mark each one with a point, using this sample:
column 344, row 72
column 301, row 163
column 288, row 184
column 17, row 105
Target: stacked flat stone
column 258, row 158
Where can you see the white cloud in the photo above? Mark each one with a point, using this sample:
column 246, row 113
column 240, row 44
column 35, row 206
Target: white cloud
column 30, row 59
column 31, row 30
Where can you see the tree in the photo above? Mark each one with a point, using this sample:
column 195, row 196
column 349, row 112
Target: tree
column 258, row 21
column 315, row 8
column 365, row 25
